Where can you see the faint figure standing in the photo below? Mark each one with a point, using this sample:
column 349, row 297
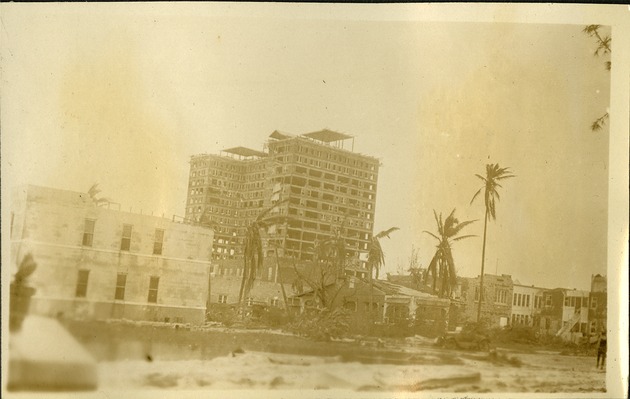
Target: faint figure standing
column 601, row 350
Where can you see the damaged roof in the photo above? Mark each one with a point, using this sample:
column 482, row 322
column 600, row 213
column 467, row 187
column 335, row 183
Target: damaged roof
column 278, row 135
column 327, row 136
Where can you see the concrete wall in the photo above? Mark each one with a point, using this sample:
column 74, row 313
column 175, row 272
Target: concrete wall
column 227, row 275
column 598, row 304
column 575, row 300
column 262, row 291
column 496, row 306
column 551, row 314
column 525, row 307
column 597, row 312
column 356, row 295
column 50, row 224
column 599, row 283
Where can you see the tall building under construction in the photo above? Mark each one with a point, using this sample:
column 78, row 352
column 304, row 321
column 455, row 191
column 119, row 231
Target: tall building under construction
column 323, row 187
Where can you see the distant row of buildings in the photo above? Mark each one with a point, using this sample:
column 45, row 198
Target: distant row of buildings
column 98, row 262
column 568, row 313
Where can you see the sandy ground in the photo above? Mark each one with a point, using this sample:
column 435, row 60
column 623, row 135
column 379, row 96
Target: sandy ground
column 473, row 372
column 156, row 358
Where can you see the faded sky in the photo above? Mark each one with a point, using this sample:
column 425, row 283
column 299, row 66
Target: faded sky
column 124, row 99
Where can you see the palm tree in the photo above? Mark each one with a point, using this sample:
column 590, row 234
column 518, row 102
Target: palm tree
column 376, row 256
column 376, row 259
column 253, row 253
column 333, row 251
column 329, row 257
column 442, row 266
column 494, row 174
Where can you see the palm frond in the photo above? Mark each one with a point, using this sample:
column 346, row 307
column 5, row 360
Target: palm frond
column 591, row 29
column 501, row 177
column 600, row 122
column 431, row 234
column 492, row 210
column 432, row 268
column 437, row 221
column 386, row 233
column 452, row 214
column 452, row 272
column 460, row 226
column 475, row 196
column 464, row 237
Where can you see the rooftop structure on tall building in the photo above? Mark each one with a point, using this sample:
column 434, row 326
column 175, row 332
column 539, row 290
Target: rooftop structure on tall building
column 324, row 189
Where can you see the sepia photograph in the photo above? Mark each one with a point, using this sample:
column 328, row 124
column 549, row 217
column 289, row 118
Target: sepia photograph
column 314, row 200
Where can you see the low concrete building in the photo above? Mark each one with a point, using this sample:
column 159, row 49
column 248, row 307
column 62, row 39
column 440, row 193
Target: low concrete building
column 272, row 278
column 425, row 311
column 100, row 263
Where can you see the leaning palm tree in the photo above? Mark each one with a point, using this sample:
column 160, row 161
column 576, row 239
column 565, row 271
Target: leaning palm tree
column 253, row 253
column 376, row 256
column 442, row 266
column 494, row 174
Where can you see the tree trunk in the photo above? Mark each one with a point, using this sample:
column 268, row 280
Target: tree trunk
column 483, row 259
column 277, row 278
column 370, row 314
column 240, row 293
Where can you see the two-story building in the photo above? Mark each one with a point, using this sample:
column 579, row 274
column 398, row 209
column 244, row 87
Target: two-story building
column 565, row 313
column 496, row 300
column 100, row 263
column 527, row 304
